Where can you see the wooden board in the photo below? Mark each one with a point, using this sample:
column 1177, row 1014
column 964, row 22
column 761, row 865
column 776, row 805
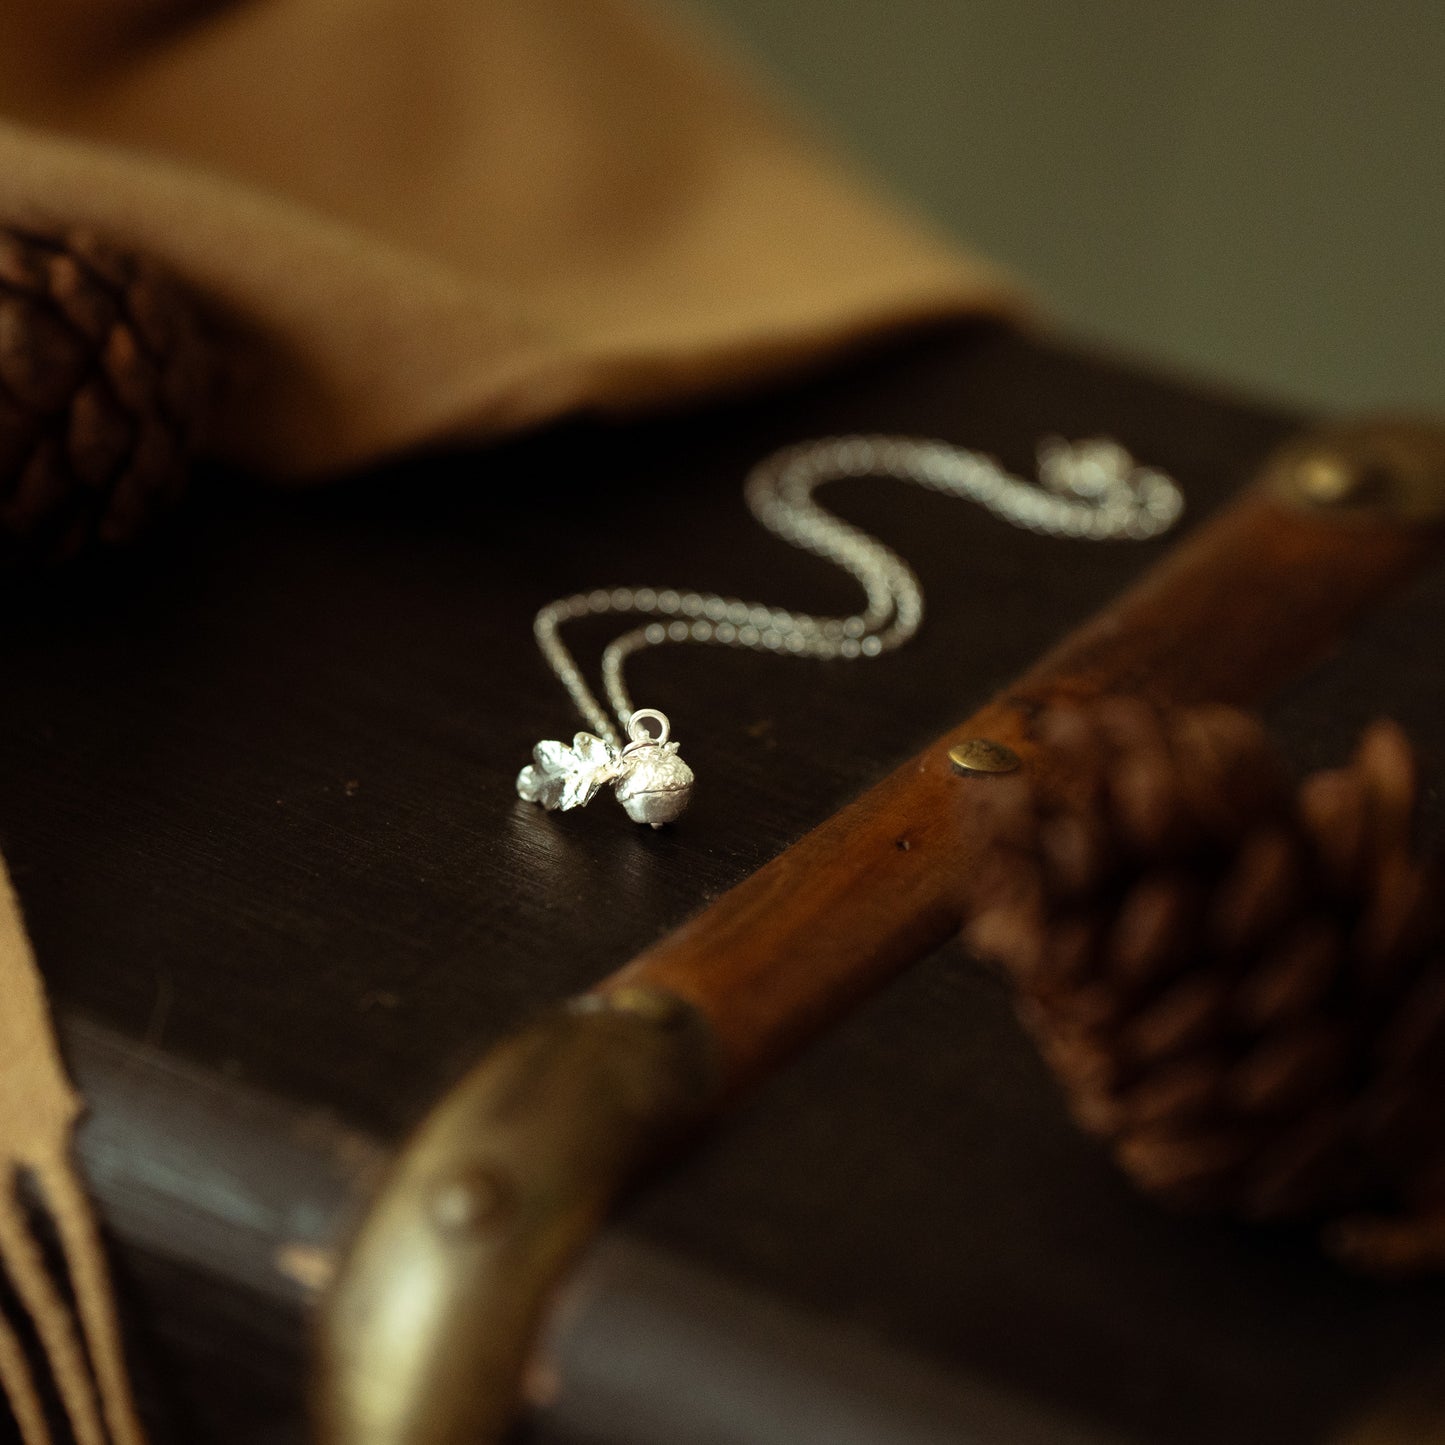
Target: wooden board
column 258, row 803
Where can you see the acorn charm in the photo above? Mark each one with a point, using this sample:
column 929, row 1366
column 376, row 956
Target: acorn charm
column 648, row 777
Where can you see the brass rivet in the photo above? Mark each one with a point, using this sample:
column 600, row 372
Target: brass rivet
column 1324, row 478
column 983, row 755
column 469, row 1201
column 665, row 1010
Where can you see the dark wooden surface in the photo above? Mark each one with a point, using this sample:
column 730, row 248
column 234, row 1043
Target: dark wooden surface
column 258, row 804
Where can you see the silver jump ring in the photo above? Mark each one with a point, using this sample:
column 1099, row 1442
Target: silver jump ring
column 638, row 733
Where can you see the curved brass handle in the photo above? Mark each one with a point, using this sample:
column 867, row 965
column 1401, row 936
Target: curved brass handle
column 426, row 1333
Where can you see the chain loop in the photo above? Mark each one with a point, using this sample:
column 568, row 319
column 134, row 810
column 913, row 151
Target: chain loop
column 1090, row 489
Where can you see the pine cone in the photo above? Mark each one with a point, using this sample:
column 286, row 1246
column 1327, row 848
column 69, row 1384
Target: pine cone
column 106, row 385
column 1239, row 983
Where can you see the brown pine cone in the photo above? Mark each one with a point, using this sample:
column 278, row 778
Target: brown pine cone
column 106, row 388
column 1239, row 983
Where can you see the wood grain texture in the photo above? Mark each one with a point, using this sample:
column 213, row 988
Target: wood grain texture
column 258, row 800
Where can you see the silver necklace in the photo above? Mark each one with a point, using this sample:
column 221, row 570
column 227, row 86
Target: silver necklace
column 1090, row 489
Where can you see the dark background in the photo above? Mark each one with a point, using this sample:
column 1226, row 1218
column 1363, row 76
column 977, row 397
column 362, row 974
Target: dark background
column 1252, row 191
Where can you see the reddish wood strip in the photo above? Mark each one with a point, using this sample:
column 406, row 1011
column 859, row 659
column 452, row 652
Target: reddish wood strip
column 1251, row 597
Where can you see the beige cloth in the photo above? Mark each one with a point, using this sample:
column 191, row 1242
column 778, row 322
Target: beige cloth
column 38, row 1109
column 417, row 220
column 432, row 219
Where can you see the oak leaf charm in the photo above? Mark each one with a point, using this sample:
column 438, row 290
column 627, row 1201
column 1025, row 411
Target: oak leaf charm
column 562, row 777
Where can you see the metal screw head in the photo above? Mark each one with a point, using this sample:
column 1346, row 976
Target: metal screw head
column 663, row 1009
column 1391, row 466
column 470, row 1201
column 1324, row 478
column 983, row 755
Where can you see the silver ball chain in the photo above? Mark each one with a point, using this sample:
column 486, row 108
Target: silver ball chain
column 1090, row 489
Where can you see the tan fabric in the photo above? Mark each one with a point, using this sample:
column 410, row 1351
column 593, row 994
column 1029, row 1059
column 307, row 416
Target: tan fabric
column 38, row 1110
column 436, row 218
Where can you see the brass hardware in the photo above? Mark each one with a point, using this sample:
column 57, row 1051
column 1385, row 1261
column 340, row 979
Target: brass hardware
column 983, row 755
column 1381, row 464
column 666, row 1010
column 427, row 1331
column 476, row 1199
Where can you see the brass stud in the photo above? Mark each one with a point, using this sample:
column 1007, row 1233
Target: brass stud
column 665, row 1010
column 1325, row 478
column 983, row 755
column 1393, row 467
column 470, row 1201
